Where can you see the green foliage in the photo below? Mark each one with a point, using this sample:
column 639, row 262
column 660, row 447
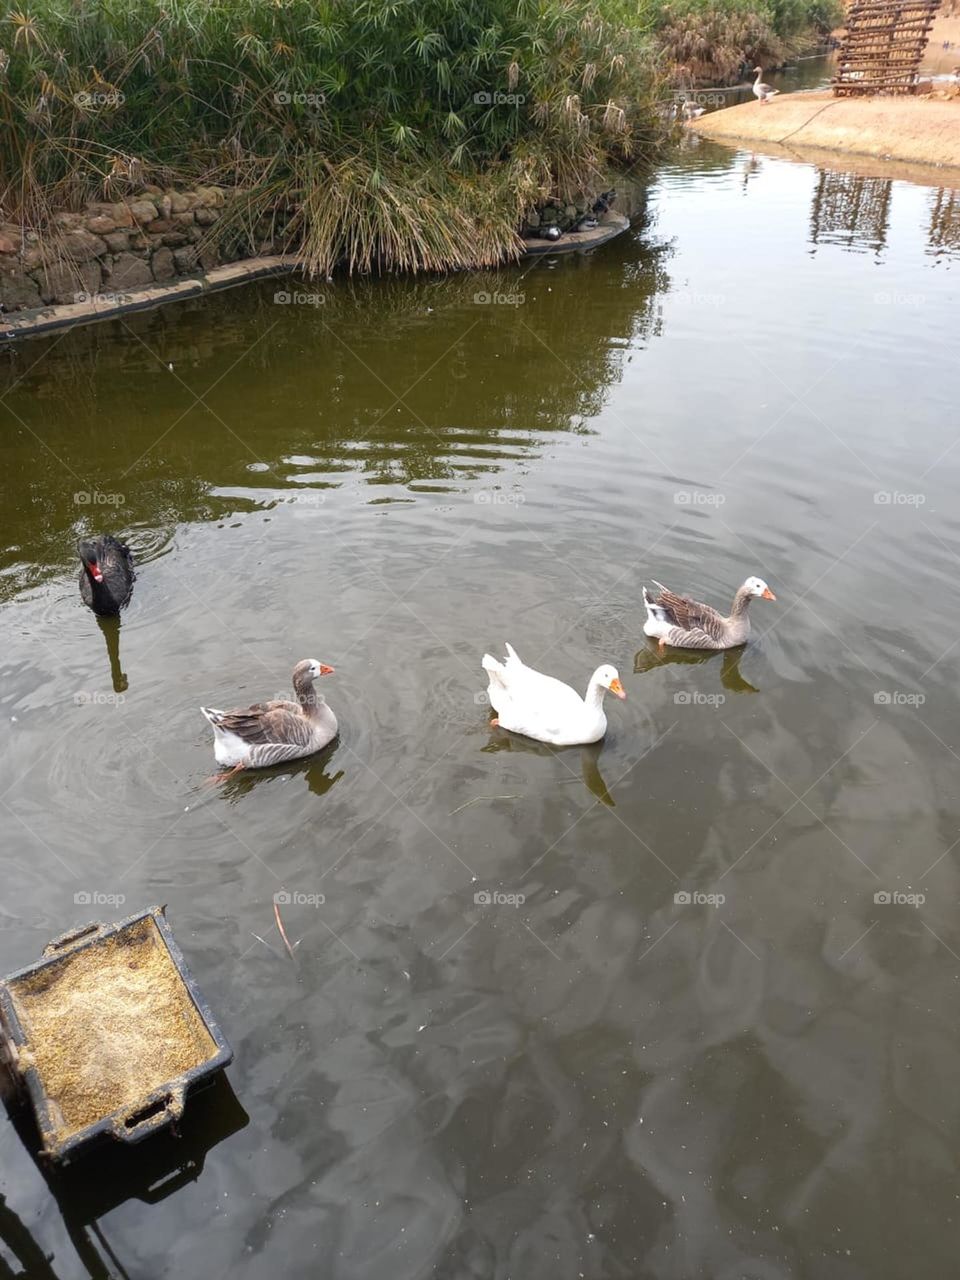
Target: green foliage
column 800, row 17
column 400, row 132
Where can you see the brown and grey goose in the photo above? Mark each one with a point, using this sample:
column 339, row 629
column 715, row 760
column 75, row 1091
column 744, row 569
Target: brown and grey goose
column 269, row 733
column 763, row 91
column 688, row 624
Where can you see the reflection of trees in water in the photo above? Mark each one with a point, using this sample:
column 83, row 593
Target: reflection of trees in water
column 944, row 230
column 698, row 155
column 404, row 380
column 850, row 210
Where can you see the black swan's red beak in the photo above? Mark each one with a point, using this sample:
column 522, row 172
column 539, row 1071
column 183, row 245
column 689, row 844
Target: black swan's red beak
column 95, row 573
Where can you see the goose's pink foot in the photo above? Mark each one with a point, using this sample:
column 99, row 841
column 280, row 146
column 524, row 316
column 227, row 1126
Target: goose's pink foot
column 222, row 777
column 495, row 723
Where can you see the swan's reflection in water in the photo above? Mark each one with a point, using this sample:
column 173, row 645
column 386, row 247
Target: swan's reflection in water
column 651, row 657
column 589, row 757
column 110, row 629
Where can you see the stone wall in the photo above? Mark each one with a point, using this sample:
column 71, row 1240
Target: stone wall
column 113, row 249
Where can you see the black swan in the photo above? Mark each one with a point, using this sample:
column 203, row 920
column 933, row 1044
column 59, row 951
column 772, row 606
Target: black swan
column 107, row 576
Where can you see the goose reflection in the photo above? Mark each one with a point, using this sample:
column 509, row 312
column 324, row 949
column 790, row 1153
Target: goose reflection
column 501, row 740
column 313, row 769
column 110, row 627
column 650, row 656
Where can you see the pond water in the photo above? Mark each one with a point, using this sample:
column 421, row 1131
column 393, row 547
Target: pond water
column 718, row 1036
column 814, row 71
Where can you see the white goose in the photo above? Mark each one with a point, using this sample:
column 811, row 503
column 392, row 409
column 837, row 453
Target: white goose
column 538, row 706
column 763, row 91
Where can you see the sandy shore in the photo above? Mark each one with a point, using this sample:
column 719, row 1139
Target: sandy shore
column 921, row 130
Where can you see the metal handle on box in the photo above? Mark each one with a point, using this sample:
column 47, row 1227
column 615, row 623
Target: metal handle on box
column 158, row 1116
column 75, row 936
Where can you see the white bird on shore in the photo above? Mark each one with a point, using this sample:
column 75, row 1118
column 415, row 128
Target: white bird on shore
column 763, row 91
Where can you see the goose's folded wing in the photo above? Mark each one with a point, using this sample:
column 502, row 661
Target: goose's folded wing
column 697, row 637
column 546, row 696
column 271, row 753
column 691, row 615
column 269, row 722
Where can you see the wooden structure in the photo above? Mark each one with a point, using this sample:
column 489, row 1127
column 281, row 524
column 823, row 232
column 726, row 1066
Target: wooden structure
column 883, row 45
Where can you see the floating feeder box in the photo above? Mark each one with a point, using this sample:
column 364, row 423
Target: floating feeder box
column 108, row 1035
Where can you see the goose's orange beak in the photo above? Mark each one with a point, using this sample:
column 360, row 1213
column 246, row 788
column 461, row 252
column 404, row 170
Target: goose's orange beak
column 768, row 595
column 617, row 688
column 325, row 670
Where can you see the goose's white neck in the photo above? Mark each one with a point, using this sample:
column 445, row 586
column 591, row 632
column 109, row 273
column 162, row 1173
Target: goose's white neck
column 595, row 692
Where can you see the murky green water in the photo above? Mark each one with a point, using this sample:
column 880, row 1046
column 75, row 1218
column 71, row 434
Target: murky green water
column 604, row 1081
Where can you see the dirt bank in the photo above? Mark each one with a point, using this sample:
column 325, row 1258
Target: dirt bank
column 920, row 130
